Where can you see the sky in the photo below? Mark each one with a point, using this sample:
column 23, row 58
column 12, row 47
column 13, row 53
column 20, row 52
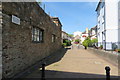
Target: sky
column 74, row 16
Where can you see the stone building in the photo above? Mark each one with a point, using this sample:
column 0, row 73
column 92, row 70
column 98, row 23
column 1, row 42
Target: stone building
column 64, row 36
column 56, row 21
column 28, row 35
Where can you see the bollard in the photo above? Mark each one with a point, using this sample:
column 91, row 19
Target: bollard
column 43, row 72
column 107, row 68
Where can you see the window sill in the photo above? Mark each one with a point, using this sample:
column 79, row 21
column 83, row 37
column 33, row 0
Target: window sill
column 37, row 42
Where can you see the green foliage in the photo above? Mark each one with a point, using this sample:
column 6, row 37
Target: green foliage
column 77, row 40
column 87, row 42
column 66, row 42
column 94, row 40
column 119, row 50
column 70, row 35
column 101, row 46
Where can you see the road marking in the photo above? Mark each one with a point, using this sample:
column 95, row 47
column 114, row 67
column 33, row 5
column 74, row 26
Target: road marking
column 96, row 62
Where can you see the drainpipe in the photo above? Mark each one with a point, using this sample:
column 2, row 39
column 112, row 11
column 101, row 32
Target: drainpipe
column 105, row 24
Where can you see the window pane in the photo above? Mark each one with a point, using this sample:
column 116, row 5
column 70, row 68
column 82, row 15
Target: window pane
column 33, row 34
column 53, row 38
column 35, row 31
column 38, row 38
column 32, row 37
column 41, row 34
column 37, row 35
column 35, row 38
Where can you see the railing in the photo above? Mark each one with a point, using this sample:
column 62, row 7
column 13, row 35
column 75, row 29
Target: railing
column 109, row 45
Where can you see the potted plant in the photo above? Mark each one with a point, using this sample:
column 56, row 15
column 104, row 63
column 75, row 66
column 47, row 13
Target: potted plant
column 118, row 50
column 101, row 46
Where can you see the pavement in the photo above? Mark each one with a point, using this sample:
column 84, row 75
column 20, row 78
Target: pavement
column 76, row 62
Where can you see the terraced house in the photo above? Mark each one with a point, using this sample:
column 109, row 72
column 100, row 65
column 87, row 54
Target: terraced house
column 108, row 25
column 28, row 35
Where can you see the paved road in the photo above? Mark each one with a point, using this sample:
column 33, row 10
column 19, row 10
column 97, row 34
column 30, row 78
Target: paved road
column 77, row 63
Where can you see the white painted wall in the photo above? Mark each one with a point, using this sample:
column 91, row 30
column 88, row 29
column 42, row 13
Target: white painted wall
column 77, row 33
column 83, row 38
column 119, row 38
column 119, row 24
column 111, row 14
column 111, row 23
column 111, row 37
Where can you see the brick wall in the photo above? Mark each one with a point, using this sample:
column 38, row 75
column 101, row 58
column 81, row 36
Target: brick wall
column 19, row 52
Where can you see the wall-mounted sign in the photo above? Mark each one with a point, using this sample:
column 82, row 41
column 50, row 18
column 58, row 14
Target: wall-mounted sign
column 15, row 20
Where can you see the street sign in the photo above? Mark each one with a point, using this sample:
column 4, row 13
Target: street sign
column 15, row 20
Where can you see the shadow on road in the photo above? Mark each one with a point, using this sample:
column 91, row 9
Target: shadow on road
column 55, row 57
column 62, row 75
column 67, row 48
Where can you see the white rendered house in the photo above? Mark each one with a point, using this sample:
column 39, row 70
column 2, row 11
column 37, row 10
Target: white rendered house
column 93, row 33
column 77, row 33
column 108, row 29
column 84, row 35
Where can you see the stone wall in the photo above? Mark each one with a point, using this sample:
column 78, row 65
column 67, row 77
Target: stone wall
column 19, row 52
column 106, row 55
column 0, row 40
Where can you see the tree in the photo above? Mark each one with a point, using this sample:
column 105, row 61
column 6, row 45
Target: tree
column 77, row 40
column 70, row 35
column 87, row 42
column 94, row 40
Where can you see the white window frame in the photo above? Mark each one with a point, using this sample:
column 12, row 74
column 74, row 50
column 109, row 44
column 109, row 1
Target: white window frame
column 37, row 34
